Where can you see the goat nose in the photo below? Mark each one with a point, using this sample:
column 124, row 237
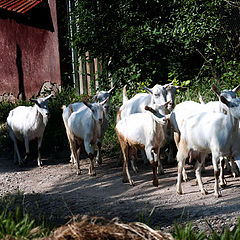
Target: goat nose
column 48, row 115
column 100, row 120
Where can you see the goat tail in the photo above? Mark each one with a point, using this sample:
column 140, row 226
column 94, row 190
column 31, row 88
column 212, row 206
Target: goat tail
column 70, row 108
column 125, row 98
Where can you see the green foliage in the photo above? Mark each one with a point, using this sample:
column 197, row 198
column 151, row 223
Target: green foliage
column 186, row 233
column 153, row 41
column 16, row 223
column 146, row 219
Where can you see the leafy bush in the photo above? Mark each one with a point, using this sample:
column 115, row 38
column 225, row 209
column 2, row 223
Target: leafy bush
column 16, row 223
column 186, row 233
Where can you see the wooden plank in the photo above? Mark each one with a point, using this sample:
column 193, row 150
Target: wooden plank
column 88, row 74
column 84, row 74
column 81, row 84
column 96, row 73
column 92, row 73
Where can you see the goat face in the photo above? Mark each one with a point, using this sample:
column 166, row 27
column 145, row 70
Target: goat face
column 102, row 96
column 42, row 106
column 233, row 106
column 171, row 91
column 97, row 111
column 159, row 95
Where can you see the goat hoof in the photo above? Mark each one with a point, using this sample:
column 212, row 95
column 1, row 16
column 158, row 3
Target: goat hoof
column 179, row 191
column 155, row 184
column 131, row 183
column 40, row 164
column 204, row 192
column 223, row 185
column 99, row 161
column 92, row 174
column 217, row 195
column 186, row 179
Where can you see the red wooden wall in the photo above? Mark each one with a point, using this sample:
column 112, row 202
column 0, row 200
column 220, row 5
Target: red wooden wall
column 29, row 56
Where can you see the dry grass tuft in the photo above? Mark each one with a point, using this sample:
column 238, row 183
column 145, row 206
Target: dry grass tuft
column 86, row 228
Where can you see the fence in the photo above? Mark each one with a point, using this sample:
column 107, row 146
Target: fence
column 88, row 71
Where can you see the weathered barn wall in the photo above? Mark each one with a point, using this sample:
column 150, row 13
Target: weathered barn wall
column 29, row 55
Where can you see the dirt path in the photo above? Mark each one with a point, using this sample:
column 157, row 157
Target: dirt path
column 60, row 194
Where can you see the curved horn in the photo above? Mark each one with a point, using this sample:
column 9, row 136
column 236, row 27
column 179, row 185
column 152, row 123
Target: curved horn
column 33, row 100
column 48, row 96
column 215, row 89
column 109, row 91
column 147, row 89
column 106, row 100
column 236, row 88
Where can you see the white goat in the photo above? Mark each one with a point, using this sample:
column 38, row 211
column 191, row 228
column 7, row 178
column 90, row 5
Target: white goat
column 157, row 95
column 142, row 131
column 84, row 129
column 99, row 97
column 26, row 124
column 219, row 138
column 188, row 108
column 218, row 106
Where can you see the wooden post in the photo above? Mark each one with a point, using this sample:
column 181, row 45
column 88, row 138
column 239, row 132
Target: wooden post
column 84, row 74
column 88, row 74
column 96, row 74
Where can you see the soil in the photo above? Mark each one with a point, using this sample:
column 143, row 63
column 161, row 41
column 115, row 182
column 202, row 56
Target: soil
column 57, row 192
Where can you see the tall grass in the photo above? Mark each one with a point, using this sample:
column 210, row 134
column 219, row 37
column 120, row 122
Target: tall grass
column 15, row 222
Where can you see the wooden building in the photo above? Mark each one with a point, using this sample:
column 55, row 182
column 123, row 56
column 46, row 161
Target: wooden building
column 29, row 46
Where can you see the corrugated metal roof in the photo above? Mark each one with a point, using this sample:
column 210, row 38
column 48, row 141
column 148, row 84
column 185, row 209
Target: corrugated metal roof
column 20, row 6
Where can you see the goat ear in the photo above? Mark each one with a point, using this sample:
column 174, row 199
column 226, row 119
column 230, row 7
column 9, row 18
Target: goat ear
column 111, row 90
column 33, row 100
column 106, row 100
column 215, row 89
column 166, row 104
column 147, row 89
column 236, row 89
column 87, row 104
column 225, row 101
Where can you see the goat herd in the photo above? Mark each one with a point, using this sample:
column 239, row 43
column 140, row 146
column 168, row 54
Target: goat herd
column 147, row 121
